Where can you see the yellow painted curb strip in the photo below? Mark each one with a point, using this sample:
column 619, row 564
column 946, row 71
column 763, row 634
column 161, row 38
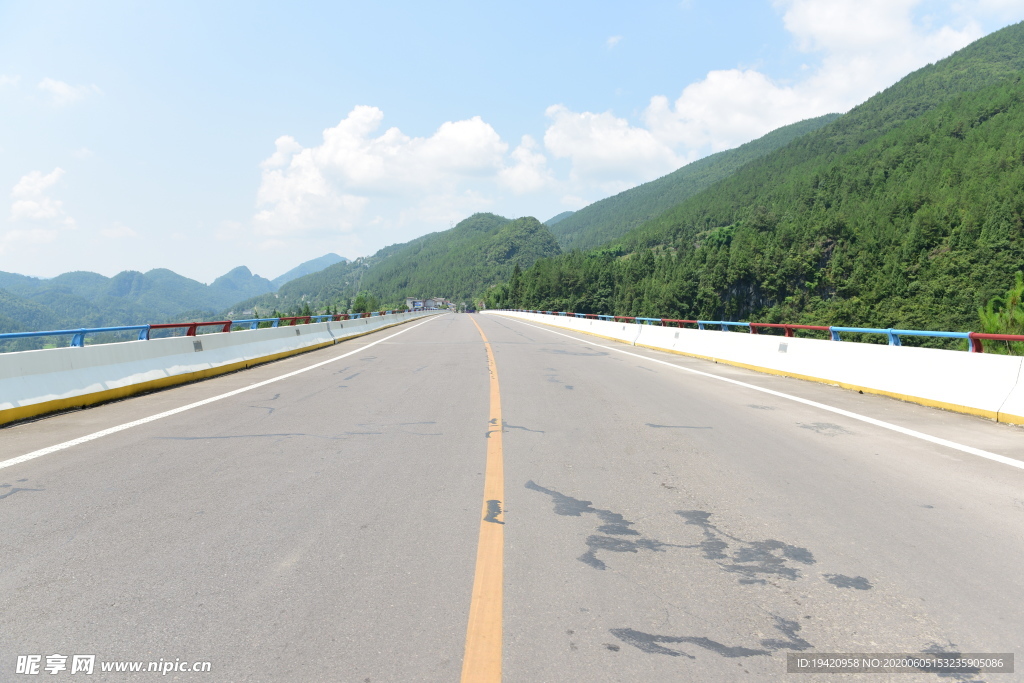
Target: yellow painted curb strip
column 953, row 407
column 482, row 660
column 37, row 409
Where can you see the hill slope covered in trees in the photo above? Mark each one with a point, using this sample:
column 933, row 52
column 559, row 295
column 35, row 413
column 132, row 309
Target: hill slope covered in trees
column 84, row 299
column 306, row 268
column 459, row 264
column 614, row 216
column 906, row 212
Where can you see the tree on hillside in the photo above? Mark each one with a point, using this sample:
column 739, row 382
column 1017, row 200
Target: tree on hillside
column 1005, row 315
column 365, row 303
column 515, row 284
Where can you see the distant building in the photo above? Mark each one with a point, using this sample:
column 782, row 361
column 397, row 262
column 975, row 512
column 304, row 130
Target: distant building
column 417, row 304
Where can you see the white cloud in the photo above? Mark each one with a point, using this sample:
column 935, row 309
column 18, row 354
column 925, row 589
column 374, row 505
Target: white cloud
column 607, row 150
column 356, row 177
column 364, row 186
column 31, row 202
column 41, row 217
column 62, row 93
column 530, row 172
column 857, row 48
column 9, row 80
column 864, row 47
column 728, row 108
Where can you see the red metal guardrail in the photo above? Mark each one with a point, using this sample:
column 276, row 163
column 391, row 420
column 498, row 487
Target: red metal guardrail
column 978, row 347
column 788, row 328
column 225, row 326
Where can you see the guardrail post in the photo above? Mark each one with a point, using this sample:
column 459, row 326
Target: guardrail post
column 833, row 334
column 78, row 339
column 144, row 334
column 700, row 325
column 894, row 339
column 976, row 344
column 725, row 328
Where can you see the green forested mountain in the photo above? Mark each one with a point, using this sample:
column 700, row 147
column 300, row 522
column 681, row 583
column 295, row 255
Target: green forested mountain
column 613, row 217
column 460, row 263
column 307, row 267
column 84, row 299
column 560, row 217
column 906, row 212
column 18, row 314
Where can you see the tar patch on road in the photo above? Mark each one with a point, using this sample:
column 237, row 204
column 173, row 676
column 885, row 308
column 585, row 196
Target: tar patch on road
column 525, row 429
column 655, row 644
column 493, row 512
column 826, row 428
column 563, row 352
column 615, row 536
column 8, row 490
column 752, row 560
column 755, row 561
column 842, row 581
column 674, row 426
column 553, row 378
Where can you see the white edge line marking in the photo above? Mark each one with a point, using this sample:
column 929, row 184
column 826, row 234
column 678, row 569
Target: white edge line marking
column 839, row 411
column 128, row 425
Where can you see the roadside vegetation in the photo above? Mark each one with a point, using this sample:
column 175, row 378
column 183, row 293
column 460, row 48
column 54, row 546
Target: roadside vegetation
column 906, row 212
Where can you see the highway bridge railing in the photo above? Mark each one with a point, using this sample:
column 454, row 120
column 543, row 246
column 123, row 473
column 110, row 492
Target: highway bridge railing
column 975, row 339
column 984, row 384
column 80, row 336
column 39, row 381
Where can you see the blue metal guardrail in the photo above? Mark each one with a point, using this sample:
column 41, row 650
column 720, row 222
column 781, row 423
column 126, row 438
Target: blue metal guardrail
column 78, row 335
column 893, row 335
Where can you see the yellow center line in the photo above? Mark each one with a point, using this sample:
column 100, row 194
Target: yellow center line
column 482, row 660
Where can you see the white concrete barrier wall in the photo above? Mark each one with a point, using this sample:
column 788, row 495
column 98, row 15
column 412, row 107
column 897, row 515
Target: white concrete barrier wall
column 977, row 383
column 34, row 382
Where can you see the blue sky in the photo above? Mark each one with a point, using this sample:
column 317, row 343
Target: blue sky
column 200, row 136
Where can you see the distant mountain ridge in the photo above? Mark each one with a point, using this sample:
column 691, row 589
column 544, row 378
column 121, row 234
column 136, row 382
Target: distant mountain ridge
column 86, row 299
column 612, row 217
column 311, row 266
column 560, row 217
column 459, row 264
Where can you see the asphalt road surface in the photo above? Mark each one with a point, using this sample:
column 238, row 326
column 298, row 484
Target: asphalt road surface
column 655, row 524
